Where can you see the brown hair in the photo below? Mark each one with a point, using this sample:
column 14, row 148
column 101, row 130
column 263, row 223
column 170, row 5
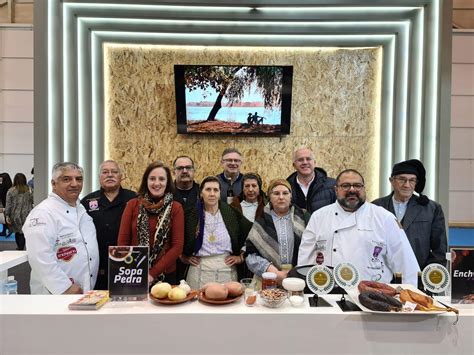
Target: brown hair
column 208, row 179
column 143, row 189
column 19, row 183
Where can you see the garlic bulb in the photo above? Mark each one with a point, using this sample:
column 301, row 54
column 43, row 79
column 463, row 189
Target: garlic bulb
column 184, row 286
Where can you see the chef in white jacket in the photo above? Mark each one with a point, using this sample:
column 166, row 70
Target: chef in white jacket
column 61, row 238
column 353, row 230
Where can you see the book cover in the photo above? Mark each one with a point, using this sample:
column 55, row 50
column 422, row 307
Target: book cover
column 90, row 300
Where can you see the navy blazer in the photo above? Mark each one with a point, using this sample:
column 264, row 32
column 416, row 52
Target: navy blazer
column 425, row 228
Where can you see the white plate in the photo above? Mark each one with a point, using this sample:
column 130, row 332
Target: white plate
column 354, row 296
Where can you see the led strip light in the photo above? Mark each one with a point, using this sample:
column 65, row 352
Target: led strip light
column 410, row 90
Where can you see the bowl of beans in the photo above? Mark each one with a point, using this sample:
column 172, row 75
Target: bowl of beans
column 273, row 297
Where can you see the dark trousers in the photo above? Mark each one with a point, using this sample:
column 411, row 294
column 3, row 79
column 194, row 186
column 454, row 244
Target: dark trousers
column 20, row 241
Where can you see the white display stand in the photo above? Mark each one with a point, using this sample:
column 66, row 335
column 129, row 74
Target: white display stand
column 44, row 325
column 9, row 259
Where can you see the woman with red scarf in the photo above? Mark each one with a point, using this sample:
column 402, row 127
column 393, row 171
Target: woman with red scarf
column 153, row 219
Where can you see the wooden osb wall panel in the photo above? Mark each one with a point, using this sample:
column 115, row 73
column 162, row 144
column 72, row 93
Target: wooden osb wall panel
column 335, row 110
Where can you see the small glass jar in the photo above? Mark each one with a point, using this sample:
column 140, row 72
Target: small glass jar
column 295, row 288
column 269, row 280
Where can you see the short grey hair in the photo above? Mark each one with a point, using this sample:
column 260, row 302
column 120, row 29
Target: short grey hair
column 302, row 148
column 59, row 168
column 113, row 162
column 230, row 150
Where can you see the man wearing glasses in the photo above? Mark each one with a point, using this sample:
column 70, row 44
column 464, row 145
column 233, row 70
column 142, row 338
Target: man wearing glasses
column 186, row 189
column 421, row 218
column 106, row 206
column 353, row 230
column 230, row 179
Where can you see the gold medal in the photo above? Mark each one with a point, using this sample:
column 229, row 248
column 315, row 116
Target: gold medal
column 212, row 238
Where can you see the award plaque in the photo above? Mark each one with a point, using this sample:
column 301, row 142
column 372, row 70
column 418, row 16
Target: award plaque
column 346, row 275
column 320, row 280
column 435, row 278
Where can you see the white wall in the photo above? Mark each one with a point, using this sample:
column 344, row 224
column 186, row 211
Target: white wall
column 16, row 99
column 461, row 177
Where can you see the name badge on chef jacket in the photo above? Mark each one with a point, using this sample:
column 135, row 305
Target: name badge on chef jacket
column 128, row 273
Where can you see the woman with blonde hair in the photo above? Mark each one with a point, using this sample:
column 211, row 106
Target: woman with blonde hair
column 19, row 203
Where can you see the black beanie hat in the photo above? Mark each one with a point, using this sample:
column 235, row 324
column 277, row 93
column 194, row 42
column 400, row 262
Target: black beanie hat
column 415, row 167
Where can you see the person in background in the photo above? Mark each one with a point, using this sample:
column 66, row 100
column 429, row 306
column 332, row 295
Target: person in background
column 214, row 237
column 353, row 230
column 252, row 199
column 273, row 242
column 153, row 219
column 312, row 188
column 31, row 182
column 186, row 192
column 60, row 238
column 422, row 219
column 5, row 184
column 186, row 189
column 18, row 205
column 106, row 206
column 230, row 178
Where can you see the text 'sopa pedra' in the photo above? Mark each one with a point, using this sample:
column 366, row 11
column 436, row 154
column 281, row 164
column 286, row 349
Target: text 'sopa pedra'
column 128, row 276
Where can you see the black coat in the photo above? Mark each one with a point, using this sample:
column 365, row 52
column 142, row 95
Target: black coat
column 106, row 216
column 321, row 191
column 425, row 228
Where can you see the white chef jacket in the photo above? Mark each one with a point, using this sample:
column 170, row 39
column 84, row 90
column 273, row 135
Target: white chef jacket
column 62, row 247
column 369, row 238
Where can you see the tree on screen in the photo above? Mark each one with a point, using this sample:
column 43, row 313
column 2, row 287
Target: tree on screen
column 231, row 82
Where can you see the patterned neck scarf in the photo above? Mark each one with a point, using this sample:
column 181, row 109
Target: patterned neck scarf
column 163, row 211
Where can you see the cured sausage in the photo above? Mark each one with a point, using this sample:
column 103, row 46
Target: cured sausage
column 377, row 301
column 374, row 286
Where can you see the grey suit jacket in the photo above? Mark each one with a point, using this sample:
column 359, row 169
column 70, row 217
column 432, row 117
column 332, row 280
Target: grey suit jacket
column 425, row 228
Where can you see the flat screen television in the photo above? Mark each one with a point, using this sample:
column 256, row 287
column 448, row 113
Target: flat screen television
column 233, row 99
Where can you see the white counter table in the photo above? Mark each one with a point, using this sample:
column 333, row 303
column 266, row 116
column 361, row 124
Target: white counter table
column 44, row 325
column 9, row 259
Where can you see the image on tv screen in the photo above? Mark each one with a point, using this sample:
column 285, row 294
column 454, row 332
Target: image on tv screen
column 224, row 99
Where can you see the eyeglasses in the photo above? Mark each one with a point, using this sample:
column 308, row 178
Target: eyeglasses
column 403, row 181
column 347, row 186
column 187, row 167
column 232, row 160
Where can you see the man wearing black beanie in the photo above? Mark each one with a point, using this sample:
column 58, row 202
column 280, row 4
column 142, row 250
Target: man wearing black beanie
column 421, row 218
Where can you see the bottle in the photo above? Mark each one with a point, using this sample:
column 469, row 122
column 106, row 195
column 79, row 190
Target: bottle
column 397, row 278
column 269, row 280
column 230, row 193
column 11, row 286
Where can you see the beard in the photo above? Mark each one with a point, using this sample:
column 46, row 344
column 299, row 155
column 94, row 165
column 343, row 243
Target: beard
column 351, row 205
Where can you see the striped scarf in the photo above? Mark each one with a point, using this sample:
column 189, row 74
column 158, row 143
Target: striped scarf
column 263, row 238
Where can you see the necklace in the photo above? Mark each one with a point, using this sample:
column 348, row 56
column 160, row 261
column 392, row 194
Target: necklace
column 211, row 224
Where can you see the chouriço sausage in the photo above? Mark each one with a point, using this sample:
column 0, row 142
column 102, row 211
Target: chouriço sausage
column 374, row 286
column 377, row 301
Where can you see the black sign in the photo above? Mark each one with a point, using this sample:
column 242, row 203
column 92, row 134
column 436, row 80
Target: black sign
column 462, row 275
column 128, row 273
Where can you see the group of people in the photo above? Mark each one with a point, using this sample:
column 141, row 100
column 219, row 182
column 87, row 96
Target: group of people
column 254, row 119
column 16, row 202
column 226, row 227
